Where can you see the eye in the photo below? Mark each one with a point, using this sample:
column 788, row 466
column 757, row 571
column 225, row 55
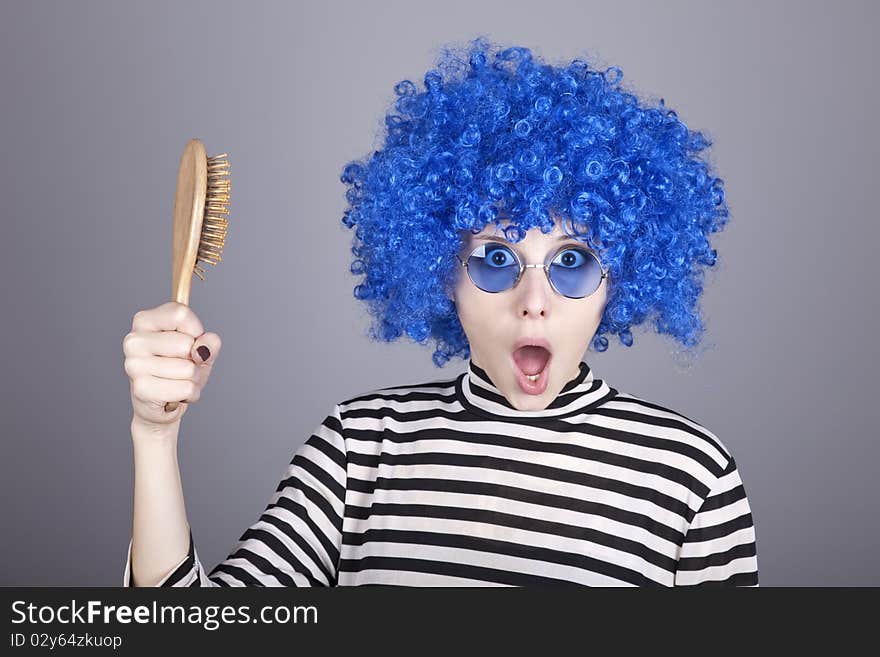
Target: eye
column 571, row 258
column 499, row 256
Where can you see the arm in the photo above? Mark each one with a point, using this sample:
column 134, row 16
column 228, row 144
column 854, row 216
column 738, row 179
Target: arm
column 160, row 531
column 297, row 538
column 719, row 547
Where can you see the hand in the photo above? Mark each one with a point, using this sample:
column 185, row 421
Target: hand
column 163, row 363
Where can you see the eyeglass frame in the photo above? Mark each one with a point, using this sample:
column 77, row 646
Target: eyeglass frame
column 545, row 266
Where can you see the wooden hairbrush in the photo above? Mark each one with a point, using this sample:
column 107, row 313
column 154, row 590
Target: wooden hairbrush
column 201, row 204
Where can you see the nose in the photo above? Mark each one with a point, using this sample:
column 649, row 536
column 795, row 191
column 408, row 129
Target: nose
column 534, row 293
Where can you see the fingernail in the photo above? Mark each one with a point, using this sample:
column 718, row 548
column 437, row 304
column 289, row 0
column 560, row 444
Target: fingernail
column 204, row 352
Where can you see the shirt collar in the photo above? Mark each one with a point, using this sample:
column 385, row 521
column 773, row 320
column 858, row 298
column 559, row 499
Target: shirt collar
column 476, row 392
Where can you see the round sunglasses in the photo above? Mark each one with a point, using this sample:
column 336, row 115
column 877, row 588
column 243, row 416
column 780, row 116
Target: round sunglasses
column 573, row 271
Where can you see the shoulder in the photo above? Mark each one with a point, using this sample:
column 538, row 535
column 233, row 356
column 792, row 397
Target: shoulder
column 669, row 430
column 439, row 390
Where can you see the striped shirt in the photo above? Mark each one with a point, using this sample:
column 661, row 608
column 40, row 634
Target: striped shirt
column 447, row 484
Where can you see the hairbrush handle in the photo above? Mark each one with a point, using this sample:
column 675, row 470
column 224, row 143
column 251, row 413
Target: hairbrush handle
column 201, row 203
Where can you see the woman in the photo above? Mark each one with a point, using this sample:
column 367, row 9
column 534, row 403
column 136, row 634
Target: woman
column 515, row 214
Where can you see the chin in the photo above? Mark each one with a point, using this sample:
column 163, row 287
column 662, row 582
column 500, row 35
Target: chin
column 525, row 402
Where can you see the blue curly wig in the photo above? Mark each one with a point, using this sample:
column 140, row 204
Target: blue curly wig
column 498, row 135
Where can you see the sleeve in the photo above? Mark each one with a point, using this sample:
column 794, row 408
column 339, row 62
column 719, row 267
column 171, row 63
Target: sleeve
column 296, row 540
column 719, row 547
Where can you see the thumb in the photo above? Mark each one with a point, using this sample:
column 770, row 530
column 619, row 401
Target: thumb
column 206, row 348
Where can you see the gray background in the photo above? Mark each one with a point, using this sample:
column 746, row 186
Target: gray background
column 99, row 98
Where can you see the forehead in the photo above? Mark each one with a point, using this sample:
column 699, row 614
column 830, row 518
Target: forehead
column 493, row 231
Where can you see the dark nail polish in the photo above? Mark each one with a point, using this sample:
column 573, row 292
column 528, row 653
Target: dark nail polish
column 204, row 352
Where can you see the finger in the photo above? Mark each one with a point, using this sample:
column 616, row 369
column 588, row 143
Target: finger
column 158, row 343
column 171, row 316
column 153, row 413
column 206, row 348
column 182, row 369
column 155, row 390
column 203, row 373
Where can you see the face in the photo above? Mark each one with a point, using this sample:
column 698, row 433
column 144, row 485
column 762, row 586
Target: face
column 531, row 311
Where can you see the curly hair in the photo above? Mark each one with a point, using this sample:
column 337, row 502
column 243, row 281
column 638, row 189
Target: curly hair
column 499, row 133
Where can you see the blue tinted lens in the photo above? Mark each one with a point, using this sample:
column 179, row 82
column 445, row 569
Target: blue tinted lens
column 575, row 273
column 493, row 267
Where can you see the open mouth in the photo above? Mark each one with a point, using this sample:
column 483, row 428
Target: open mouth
column 532, row 367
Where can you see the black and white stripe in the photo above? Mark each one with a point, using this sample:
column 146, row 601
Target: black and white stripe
column 446, row 484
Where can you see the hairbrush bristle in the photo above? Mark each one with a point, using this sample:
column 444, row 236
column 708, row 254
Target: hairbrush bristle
column 214, row 225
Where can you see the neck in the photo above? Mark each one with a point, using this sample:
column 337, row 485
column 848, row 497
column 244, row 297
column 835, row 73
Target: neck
column 478, row 393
